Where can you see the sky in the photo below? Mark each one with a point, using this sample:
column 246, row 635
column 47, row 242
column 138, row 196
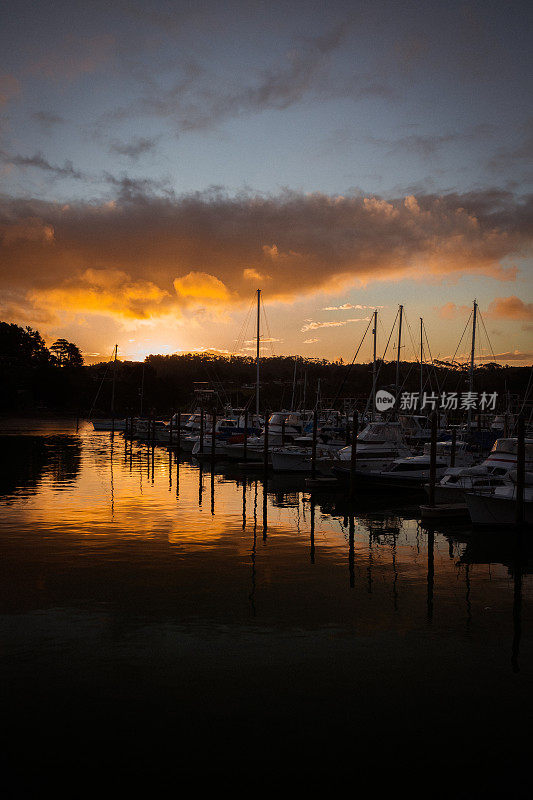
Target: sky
column 161, row 161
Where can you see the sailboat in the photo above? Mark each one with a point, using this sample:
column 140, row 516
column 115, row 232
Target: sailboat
column 110, row 423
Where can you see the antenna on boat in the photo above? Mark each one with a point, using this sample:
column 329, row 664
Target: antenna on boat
column 257, row 352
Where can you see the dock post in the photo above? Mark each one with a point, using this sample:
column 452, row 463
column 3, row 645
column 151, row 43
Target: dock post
column 245, row 441
column 351, row 550
column 454, row 447
column 520, row 471
column 313, row 451
column 433, row 461
column 170, row 437
column 265, row 452
column 201, row 431
column 283, row 421
column 312, row 531
column 178, row 443
column 353, row 456
column 213, row 440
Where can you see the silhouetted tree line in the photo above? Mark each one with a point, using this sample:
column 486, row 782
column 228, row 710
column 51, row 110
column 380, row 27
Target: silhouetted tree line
column 34, row 377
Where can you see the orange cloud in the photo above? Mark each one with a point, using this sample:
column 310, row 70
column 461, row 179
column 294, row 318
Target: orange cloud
column 31, row 229
column 102, row 292
column 201, row 286
column 452, row 311
column 514, row 355
column 510, row 308
column 142, row 256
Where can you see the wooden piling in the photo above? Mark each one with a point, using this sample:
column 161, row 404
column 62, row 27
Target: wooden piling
column 170, row 437
column 351, row 550
column 178, row 443
column 520, row 470
column 213, row 435
column 245, row 440
column 313, row 451
column 353, row 456
column 312, row 531
column 433, row 460
column 265, row 451
column 454, row 447
column 201, row 431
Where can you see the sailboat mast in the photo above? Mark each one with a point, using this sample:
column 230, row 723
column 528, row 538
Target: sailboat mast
column 142, row 393
column 294, row 382
column 472, row 359
column 421, row 359
column 374, row 365
column 399, row 352
column 113, row 384
column 257, row 352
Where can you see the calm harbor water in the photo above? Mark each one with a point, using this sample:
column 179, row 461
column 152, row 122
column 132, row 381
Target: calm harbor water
column 158, row 616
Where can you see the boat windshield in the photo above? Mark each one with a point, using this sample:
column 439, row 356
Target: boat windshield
column 381, row 432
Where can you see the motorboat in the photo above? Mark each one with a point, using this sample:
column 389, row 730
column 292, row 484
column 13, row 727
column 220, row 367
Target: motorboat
column 293, row 458
column 378, row 445
column 498, row 508
column 490, row 474
column 414, row 471
column 147, row 428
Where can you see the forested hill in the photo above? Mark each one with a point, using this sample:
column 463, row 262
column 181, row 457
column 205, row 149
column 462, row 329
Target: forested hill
column 37, row 379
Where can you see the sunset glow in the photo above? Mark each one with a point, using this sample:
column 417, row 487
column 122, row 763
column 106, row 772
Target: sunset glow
column 154, row 176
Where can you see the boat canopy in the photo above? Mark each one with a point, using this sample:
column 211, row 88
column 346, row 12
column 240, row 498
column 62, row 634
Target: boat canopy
column 382, row 432
column 445, row 448
column 510, row 446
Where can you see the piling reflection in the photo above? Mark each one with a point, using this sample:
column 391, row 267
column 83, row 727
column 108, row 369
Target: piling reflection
column 381, row 554
column 244, row 600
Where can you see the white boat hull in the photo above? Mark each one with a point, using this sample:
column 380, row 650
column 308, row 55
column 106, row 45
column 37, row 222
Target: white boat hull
column 495, row 511
column 109, row 424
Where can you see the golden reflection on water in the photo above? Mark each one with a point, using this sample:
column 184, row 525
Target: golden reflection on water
column 132, row 580
column 291, row 543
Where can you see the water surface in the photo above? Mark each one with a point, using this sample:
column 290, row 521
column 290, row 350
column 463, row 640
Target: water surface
column 155, row 615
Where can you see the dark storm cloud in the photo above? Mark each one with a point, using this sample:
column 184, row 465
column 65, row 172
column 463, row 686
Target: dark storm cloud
column 47, row 120
column 137, row 189
column 506, row 158
column 38, row 161
column 143, row 255
column 125, row 187
column 137, row 147
column 200, row 101
column 427, row 145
